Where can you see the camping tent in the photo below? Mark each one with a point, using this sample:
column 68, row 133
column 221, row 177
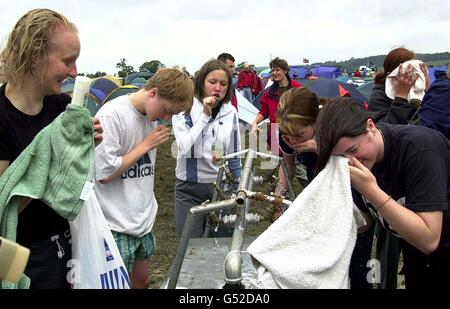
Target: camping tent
column 122, row 90
column 297, row 71
column 139, row 82
column 265, row 73
column 67, row 85
column 330, row 88
column 144, row 74
column 93, row 104
column 326, row 71
column 432, row 70
column 116, row 80
column 101, row 87
column 344, row 79
column 366, row 89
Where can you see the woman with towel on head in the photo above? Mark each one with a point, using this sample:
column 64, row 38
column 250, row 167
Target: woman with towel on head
column 398, row 110
column 394, row 111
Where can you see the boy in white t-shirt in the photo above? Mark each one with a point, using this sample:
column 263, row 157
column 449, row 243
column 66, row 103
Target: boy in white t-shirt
column 125, row 163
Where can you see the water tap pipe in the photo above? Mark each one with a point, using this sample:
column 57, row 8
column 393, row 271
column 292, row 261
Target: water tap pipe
column 233, row 260
column 174, row 272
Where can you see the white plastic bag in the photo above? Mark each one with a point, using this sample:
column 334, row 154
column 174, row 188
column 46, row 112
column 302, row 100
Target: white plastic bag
column 96, row 262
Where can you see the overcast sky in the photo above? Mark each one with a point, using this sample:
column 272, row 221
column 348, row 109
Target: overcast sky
column 179, row 32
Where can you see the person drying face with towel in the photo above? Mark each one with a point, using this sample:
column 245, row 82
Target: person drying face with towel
column 389, row 162
column 396, row 110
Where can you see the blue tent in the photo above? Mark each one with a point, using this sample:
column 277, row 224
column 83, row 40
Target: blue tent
column 265, row 73
column 325, row 71
column 67, row 85
column 140, row 82
column 92, row 104
column 101, row 87
column 144, row 74
column 343, row 79
column 122, row 90
column 366, row 89
column 333, row 89
column 432, row 70
column 297, row 71
column 98, row 94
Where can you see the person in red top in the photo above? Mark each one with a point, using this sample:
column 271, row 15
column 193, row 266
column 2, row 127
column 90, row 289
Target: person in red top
column 247, row 82
column 258, row 87
column 229, row 60
column 271, row 98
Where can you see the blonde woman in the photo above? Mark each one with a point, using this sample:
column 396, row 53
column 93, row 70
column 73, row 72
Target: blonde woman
column 296, row 115
column 40, row 53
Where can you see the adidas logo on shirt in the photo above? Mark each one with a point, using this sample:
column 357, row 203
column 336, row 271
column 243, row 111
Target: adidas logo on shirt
column 142, row 168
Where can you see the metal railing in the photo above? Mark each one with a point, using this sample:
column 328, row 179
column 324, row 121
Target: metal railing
column 241, row 200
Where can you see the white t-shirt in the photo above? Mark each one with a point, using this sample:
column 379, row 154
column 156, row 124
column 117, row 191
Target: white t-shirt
column 128, row 202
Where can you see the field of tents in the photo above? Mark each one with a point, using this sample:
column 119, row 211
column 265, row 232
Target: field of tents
column 326, row 81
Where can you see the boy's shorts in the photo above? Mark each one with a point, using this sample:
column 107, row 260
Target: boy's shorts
column 134, row 249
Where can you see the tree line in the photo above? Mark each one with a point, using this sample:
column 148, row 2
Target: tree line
column 352, row 64
column 124, row 69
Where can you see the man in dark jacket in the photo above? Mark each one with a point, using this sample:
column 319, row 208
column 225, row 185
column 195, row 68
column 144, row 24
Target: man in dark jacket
column 435, row 110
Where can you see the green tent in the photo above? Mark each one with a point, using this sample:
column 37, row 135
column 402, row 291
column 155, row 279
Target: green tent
column 93, row 104
column 122, row 90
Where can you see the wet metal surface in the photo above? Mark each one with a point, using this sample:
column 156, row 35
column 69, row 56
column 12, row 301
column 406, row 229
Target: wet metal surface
column 203, row 263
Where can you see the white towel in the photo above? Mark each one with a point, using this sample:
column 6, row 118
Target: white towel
column 417, row 91
column 311, row 244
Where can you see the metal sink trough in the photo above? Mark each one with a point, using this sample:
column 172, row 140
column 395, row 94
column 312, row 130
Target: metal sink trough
column 220, row 262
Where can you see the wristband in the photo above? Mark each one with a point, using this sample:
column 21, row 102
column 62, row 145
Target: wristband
column 382, row 205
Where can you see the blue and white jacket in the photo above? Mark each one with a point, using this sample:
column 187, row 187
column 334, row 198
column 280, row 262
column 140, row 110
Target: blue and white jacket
column 195, row 136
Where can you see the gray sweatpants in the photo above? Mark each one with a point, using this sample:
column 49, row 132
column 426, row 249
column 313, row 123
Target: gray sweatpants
column 188, row 195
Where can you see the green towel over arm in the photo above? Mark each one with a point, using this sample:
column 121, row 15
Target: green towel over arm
column 53, row 168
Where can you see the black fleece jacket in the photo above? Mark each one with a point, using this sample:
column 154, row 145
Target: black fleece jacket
column 383, row 109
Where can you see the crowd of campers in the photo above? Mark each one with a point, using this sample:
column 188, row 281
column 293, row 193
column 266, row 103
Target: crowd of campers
column 393, row 129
